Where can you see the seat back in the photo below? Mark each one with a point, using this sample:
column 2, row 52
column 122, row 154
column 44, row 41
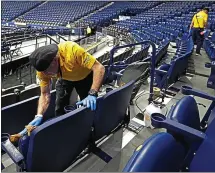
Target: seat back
column 133, row 71
column 111, row 110
column 159, row 153
column 55, row 144
column 176, row 69
column 11, row 89
column 8, row 99
column 16, row 116
column 203, row 161
column 26, row 94
column 186, row 112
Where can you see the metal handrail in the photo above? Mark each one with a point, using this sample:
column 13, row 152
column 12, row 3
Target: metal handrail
column 61, row 37
column 152, row 68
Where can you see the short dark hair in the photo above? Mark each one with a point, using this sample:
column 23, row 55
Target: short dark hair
column 206, row 8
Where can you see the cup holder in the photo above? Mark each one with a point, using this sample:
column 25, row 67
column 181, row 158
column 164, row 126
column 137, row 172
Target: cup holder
column 70, row 108
column 157, row 119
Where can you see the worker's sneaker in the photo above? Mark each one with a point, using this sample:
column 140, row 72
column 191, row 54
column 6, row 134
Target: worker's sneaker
column 197, row 54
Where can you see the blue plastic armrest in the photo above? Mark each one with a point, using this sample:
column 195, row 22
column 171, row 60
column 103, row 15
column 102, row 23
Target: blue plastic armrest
column 186, row 90
column 11, row 150
column 158, row 71
column 160, row 121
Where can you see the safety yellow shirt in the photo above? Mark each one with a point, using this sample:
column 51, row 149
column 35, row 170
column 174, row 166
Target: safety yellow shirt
column 88, row 30
column 75, row 63
column 200, row 19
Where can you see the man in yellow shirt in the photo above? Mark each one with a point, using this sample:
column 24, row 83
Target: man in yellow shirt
column 199, row 23
column 89, row 31
column 74, row 68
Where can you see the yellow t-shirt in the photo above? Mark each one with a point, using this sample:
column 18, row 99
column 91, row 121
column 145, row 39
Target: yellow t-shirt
column 75, row 63
column 200, row 19
column 88, row 30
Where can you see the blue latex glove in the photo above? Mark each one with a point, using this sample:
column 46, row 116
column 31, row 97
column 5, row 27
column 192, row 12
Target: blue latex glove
column 89, row 101
column 35, row 122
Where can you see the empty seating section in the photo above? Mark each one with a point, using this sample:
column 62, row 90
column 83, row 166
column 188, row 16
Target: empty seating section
column 111, row 12
column 169, row 19
column 59, row 13
column 12, row 9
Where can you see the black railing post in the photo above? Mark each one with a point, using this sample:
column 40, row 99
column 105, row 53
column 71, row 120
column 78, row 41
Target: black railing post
column 20, row 75
column 30, row 74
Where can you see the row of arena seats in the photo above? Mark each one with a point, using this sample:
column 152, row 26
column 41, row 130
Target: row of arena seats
column 12, row 9
column 167, row 74
column 18, row 93
column 72, row 11
column 187, row 145
column 121, row 72
column 115, row 9
column 209, row 46
column 211, row 79
column 156, row 23
column 60, row 151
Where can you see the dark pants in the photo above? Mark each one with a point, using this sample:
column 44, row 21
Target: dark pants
column 198, row 39
column 64, row 89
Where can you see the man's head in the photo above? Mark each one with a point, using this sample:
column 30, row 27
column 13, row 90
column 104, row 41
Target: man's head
column 44, row 59
column 206, row 9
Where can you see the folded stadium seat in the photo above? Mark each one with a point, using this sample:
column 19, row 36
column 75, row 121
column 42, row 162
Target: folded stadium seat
column 9, row 99
column 137, row 71
column 16, row 116
column 137, row 56
column 159, row 153
column 48, row 136
column 111, row 110
column 11, row 89
column 28, row 93
column 167, row 74
column 59, row 151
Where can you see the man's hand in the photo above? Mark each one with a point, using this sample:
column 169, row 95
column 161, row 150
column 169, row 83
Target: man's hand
column 89, row 101
column 32, row 125
column 35, row 122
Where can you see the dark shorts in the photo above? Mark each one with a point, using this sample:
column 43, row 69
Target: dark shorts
column 64, row 89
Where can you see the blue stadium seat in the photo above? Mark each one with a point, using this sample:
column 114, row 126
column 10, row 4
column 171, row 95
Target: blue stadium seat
column 182, row 124
column 159, row 153
column 48, row 139
column 111, row 111
column 16, row 116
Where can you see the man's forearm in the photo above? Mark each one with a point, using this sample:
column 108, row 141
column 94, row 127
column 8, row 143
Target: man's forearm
column 98, row 75
column 191, row 25
column 43, row 103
